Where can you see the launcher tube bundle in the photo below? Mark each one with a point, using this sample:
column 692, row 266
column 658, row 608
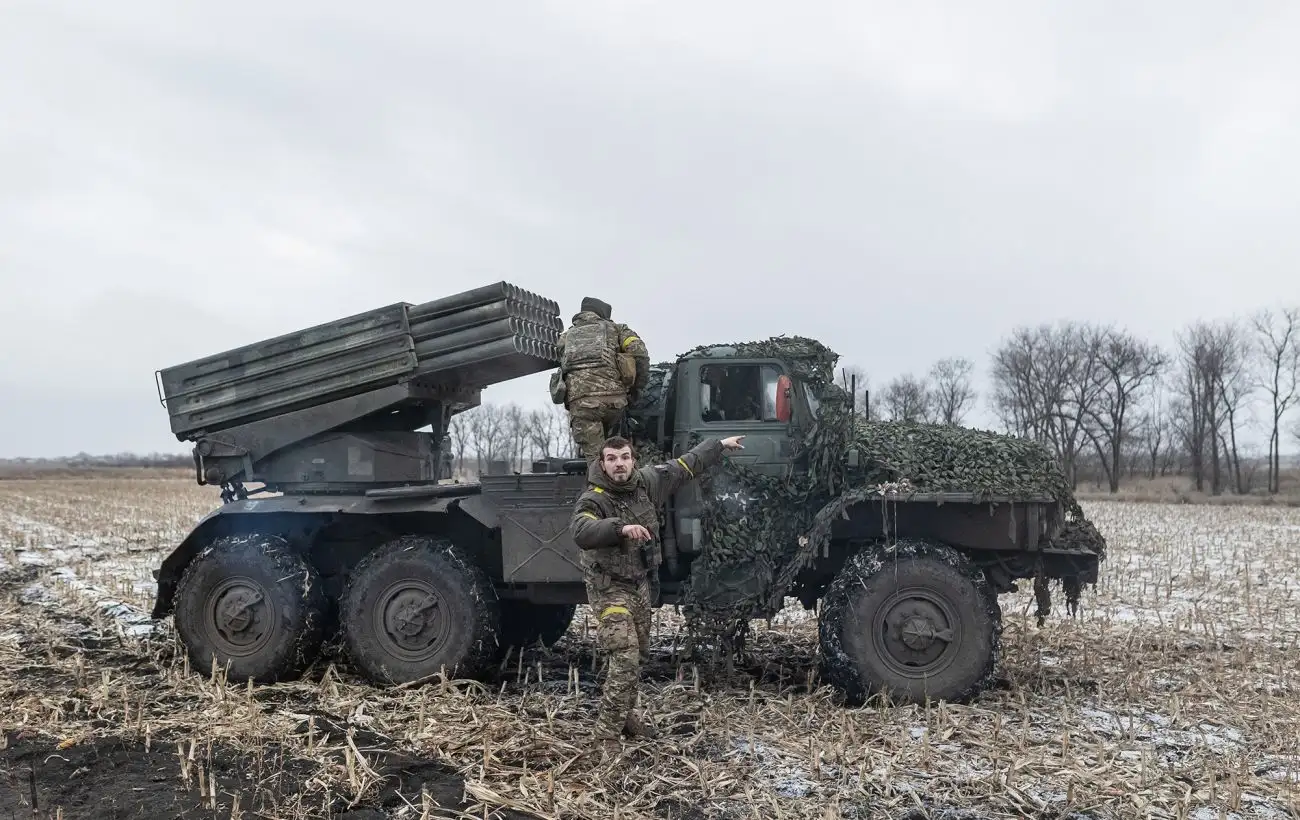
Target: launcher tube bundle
column 393, row 369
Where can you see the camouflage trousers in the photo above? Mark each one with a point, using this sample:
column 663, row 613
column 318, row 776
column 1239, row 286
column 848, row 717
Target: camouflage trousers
column 622, row 609
column 591, row 421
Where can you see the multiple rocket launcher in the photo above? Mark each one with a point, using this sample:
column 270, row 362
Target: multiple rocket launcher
column 472, row 339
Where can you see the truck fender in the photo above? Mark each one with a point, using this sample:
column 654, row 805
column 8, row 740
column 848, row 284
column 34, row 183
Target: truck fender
column 168, row 574
column 480, row 509
column 279, row 514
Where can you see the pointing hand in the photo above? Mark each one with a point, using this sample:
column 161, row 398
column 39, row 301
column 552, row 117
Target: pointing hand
column 636, row 532
column 733, row 443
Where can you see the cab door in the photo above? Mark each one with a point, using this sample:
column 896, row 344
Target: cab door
column 718, row 398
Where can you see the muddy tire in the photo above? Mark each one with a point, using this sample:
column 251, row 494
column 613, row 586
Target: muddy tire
column 916, row 623
column 523, row 623
column 255, row 604
column 415, row 606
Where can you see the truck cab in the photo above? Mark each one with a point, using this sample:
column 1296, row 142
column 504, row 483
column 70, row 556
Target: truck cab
column 719, row 394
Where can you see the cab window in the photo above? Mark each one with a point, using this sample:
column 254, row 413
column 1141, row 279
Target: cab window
column 738, row 392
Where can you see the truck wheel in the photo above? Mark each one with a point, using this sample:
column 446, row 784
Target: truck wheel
column 917, row 624
column 524, row 622
column 253, row 603
column 417, row 605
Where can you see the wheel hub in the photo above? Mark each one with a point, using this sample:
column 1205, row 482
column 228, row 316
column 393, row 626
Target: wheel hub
column 915, row 631
column 410, row 615
column 239, row 618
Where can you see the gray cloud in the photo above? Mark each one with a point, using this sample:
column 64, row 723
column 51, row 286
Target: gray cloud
column 903, row 182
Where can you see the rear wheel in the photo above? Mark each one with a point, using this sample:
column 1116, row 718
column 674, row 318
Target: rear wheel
column 418, row 605
column 917, row 623
column 254, row 604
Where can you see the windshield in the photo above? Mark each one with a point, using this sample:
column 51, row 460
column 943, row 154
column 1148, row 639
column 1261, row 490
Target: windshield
column 833, row 393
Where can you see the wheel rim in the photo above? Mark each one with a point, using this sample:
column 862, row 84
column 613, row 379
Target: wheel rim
column 410, row 620
column 916, row 632
column 239, row 619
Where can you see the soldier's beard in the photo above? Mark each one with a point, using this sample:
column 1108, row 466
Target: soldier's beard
column 618, row 475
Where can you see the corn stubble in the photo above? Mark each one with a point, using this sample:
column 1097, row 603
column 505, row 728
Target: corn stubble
column 1172, row 694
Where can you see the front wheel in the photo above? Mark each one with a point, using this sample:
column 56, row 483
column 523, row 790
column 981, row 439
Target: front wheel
column 917, row 622
column 416, row 606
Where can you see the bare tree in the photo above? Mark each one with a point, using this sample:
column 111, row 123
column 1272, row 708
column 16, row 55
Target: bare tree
column 1155, row 430
column 515, row 432
column 1046, row 384
column 1124, row 366
column 1236, row 384
column 1278, row 343
column 1251, row 461
column 549, row 432
column 487, row 431
column 1209, row 381
column 952, row 393
column 1192, row 408
column 558, row 420
column 458, row 437
column 908, row 398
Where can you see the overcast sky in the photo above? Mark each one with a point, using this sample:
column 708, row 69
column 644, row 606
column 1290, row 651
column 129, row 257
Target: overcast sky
column 902, row 181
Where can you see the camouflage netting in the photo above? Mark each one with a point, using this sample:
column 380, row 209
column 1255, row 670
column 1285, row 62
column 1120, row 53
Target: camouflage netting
column 755, row 550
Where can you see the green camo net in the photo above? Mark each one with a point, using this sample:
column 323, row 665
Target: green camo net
column 755, row 550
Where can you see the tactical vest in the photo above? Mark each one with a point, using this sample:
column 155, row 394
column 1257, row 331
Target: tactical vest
column 627, row 561
column 592, row 346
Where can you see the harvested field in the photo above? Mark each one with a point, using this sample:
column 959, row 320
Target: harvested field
column 1174, row 693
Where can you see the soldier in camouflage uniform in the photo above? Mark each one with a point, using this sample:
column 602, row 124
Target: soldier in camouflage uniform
column 616, row 527
column 603, row 367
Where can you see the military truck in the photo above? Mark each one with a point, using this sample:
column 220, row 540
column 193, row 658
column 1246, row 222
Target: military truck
column 354, row 534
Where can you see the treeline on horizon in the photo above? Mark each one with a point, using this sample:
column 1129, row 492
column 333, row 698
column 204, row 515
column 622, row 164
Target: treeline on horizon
column 1111, row 405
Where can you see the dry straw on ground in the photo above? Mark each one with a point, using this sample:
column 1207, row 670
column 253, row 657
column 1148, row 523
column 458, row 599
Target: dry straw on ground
column 1173, row 694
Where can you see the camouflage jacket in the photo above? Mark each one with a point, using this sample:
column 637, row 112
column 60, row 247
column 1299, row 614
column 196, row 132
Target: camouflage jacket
column 601, row 512
column 606, row 380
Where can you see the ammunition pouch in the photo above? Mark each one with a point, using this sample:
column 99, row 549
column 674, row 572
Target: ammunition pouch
column 626, row 369
column 559, row 390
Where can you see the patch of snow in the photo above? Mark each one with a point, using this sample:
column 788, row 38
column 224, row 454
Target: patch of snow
column 134, row 622
column 787, row 778
column 37, row 594
column 1283, row 769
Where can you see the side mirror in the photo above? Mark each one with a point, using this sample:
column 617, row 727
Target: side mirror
column 784, row 397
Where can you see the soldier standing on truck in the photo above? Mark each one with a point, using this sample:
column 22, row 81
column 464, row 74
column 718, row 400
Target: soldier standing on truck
column 616, row 527
column 604, row 366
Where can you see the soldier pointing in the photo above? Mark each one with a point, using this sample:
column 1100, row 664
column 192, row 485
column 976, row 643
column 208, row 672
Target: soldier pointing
column 616, row 527
column 604, row 365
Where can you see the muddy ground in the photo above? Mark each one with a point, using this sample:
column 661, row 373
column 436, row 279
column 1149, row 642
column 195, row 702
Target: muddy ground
column 113, row 771
column 120, row 775
column 1172, row 694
